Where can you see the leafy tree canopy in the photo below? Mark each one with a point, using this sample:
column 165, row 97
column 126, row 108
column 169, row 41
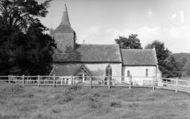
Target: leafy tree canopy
column 167, row 64
column 24, row 47
column 22, row 13
column 186, row 69
column 132, row 42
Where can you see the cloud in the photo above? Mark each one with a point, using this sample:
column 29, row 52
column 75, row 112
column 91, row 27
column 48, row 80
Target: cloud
column 149, row 12
column 175, row 38
column 174, row 15
column 89, row 34
column 179, row 16
column 182, row 18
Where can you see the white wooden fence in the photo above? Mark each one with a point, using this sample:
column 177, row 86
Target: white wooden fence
column 91, row 81
column 176, row 84
column 94, row 81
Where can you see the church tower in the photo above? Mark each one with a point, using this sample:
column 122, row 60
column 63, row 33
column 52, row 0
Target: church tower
column 64, row 35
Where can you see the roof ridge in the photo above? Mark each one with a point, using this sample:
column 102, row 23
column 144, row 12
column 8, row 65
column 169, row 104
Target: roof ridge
column 138, row 49
column 100, row 44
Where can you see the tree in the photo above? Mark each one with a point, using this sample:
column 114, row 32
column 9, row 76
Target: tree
column 20, row 14
column 24, row 47
column 186, row 69
column 132, row 42
column 167, row 64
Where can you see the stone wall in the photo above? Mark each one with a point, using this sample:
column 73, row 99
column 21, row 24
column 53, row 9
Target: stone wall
column 139, row 76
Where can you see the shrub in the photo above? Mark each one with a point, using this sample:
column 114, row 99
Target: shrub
column 56, row 110
column 94, row 103
column 96, row 95
column 75, row 87
column 67, row 98
column 115, row 104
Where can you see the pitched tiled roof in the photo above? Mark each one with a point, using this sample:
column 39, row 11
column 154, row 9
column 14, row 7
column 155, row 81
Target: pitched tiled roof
column 138, row 57
column 93, row 53
column 66, row 69
column 71, row 69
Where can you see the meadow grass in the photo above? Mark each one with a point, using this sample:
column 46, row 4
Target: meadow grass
column 18, row 102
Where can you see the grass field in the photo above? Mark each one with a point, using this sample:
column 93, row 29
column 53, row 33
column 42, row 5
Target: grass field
column 18, row 102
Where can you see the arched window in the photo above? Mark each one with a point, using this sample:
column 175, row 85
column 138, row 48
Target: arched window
column 108, row 71
column 146, row 72
column 108, row 75
column 128, row 73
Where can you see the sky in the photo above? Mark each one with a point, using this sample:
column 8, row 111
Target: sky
column 102, row 21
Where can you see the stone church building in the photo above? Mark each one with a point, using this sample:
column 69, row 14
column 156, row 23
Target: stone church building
column 100, row 61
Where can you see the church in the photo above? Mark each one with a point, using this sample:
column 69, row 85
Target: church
column 97, row 62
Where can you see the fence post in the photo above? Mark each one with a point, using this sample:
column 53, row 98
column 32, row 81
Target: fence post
column 62, row 78
column 54, row 80
column 8, row 79
column 109, row 82
column 38, row 81
column 90, row 82
column 153, row 84
column 130, row 81
column 23, row 80
column 71, row 80
column 176, row 82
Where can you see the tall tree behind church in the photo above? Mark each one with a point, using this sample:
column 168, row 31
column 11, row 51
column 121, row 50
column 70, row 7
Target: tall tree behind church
column 167, row 63
column 24, row 47
column 132, row 42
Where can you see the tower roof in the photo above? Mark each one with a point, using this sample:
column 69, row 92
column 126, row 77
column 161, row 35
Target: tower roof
column 65, row 25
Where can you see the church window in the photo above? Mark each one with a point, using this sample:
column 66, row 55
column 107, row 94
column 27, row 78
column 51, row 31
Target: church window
column 108, row 75
column 146, row 72
column 128, row 73
column 108, row 71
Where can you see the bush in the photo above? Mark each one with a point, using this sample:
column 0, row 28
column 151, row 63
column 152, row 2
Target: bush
column 94, row 103
column 67, row 98
column 96, row 95
column 56, row 110
column 115, row 104
column 75, row 87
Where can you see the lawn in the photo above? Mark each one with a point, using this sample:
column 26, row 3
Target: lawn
column 17, row 102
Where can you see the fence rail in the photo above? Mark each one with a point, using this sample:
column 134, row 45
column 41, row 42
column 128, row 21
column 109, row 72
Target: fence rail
column 176, row 84
column 93, row 81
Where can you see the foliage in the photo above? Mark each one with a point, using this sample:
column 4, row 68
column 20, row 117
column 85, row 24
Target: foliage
column 19, row 14
column 24, row 47
column 132, row 42
column 183, row 59
column 186, row 69
column 167, row 64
